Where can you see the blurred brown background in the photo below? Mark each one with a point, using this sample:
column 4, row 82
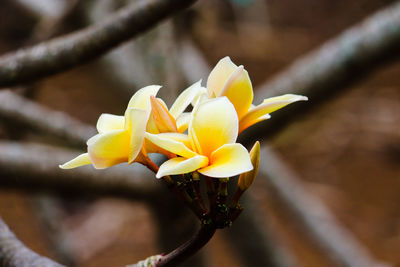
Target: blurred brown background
column 346, row 153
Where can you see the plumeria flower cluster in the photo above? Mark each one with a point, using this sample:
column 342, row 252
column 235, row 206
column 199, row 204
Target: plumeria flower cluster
column 197, row 144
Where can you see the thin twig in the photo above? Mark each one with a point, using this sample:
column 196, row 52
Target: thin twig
column 339, row 243
column 68, row 51
column 13, row 253
column 328, row 70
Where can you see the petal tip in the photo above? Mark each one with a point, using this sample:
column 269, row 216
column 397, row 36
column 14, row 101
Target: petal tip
column 62, row 166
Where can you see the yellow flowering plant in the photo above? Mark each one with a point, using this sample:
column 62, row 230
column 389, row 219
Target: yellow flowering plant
column 198, row 145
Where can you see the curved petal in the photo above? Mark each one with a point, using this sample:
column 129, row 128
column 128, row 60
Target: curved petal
column 239, row 91
column 136, row 123
column 141, row 99
column 229, row 160
column 162, row 102
column 182, row 122
column 243, row 125
column 152, row 126
column 184, row 99
column 200, row 96
column 219, row 75
column 109, row 122
column 165, row 122
column 269, row 105
column 108, row 149
column 80, row 160
column 172, row 142
column 214, row 123
column 181, row 165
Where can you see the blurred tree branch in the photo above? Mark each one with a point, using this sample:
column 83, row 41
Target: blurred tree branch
column 68, row 51
column 18, row 110
column 261, row 247
column 34, row 167
column 13, row 253
column 328, row 70
column 338, row 242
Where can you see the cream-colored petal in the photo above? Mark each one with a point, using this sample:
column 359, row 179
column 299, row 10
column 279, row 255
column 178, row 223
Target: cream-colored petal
column 172, row 142
column 269, row 105
column 202, row 94
column 109, row 122
column 239, row 91
column 136, row 126
column 184, row 99
column 182, row 122
column 214, row 123
column 181, row 165
column 141, row 99
column 227, row 161
column 80, row 160
column 219, row 75
column 108, row 149
column 274, row 103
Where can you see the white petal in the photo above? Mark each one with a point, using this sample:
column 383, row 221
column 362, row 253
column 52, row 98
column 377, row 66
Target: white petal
column 185, row 98
column 182, row 122
column 219, row 75
column 181, row 165
column 172, row 142
column 109, row 122
column 108, row 149
column 136, row 123
column 227, row 161
column 80, row 160
column 141, row 99
column 269, row 105
column 214, row 123
column 239, row 91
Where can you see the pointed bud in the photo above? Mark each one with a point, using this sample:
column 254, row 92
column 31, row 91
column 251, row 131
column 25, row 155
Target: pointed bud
column 163, row 119
column 246, row 179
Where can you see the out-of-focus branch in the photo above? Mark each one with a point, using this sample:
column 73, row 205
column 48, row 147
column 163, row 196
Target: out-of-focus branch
column 80, row 47
column 261, row 247
column 331, row 68
column 18, row 110
column 35, row 168
column 339, row 243
column 13, row 253
column 193, row 64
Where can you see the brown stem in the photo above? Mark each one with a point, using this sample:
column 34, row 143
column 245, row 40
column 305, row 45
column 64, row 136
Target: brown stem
column 199, row 197
column 189, row 248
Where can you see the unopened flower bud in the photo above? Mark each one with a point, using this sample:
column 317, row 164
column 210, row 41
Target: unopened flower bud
column 246, row 179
